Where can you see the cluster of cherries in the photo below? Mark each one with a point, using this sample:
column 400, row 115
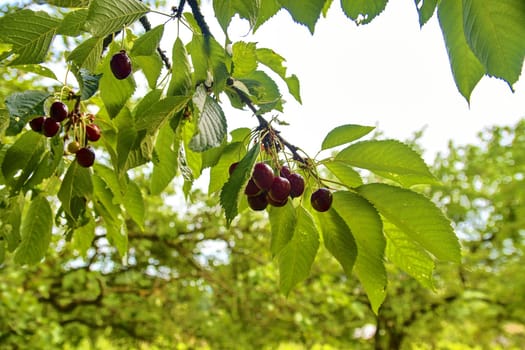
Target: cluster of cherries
column 83, row 127
column 51, row 125
column 266, row 188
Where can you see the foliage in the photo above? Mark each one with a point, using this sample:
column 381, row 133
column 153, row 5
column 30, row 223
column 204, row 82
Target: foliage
column 190, row 282
column 179, row 128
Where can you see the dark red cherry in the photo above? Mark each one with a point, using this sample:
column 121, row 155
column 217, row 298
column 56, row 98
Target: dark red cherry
column 321, row 199
column 275, row 203
column 259, row 202
column 50, row 127
column 85, row 157
column 285, row 171
column 37, row 123
column 120, row 65
column 232, row 167
column 296, row 185
column 280, row 189
column 263, row 176
column 251, row 189
column 92, row 132
column 58, row 111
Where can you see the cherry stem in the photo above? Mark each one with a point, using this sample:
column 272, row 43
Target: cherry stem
column 264, row 125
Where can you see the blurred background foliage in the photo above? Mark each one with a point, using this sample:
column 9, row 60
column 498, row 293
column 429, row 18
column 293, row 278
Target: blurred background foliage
column 188, row 282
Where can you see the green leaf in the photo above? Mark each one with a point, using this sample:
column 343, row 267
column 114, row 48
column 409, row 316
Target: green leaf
column 304, row 12
column 338, row 239
column 272, row 60
column 416, row 216
column 151, row 67
column 282, row 222
column 30, row 33
column 146, row 102
column 409, row 256
column 165, row 164
column 244, row 58
column 103, row 193
column 466, row 68
column 134, row 203
column 208, row 57
column 87, row 82
column 87, row 54
column 48, row 164
column 112, row 180
column 495, row 30
column 117, row 234
column 292, row 82
column 264, row 91
column 180, row 83
column 247, row 9
column 147, row 44
column 22, row 107
column 10, row 221
column 75, row 184
column 106, row 17
column 367, row 230
column 73, row 23
column 275, row 62
column 37, row 69
column 344, row 173
column 212, row 126
column 192, row 160
column 83, row 237
column 363, row 11
column 219, row 173
column 425, row 10
column 68, row 3
column 297, row 257
column 26, row 151
column 224, row 11
column 152, row 118
column 35, row 232
column 267, row 9
column 234, row 186
column 345, row 134
column 389, row 158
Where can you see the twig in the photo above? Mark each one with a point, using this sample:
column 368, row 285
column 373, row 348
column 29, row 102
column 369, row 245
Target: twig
column 264, row 125
column 199, row 18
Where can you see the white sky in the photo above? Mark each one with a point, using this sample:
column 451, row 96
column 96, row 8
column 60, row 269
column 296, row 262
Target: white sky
column 389, row 73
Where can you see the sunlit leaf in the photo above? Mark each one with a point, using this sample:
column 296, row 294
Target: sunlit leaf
column 417, row 217
column 466, row 68
column 35, row 232
column 495, row 30
column 345, row 134
column 367, row 230
column 297, row 257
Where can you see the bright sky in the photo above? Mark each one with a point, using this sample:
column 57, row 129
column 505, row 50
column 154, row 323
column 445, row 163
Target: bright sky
column 389, row 73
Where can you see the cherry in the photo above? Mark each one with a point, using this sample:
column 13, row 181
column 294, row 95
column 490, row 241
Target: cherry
column 92, row 132
column 232, row 167
column 263, row 176
column 321, row 199
column 120, row 65
column 85, row 157
column 285, row 171
column 73, row 147
column 280, row 189
column 252, row 189
column 296, row 185
column 259, row 202
column 275, row 203
column 50, row 127
column 37, row 123
column 58, row 111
